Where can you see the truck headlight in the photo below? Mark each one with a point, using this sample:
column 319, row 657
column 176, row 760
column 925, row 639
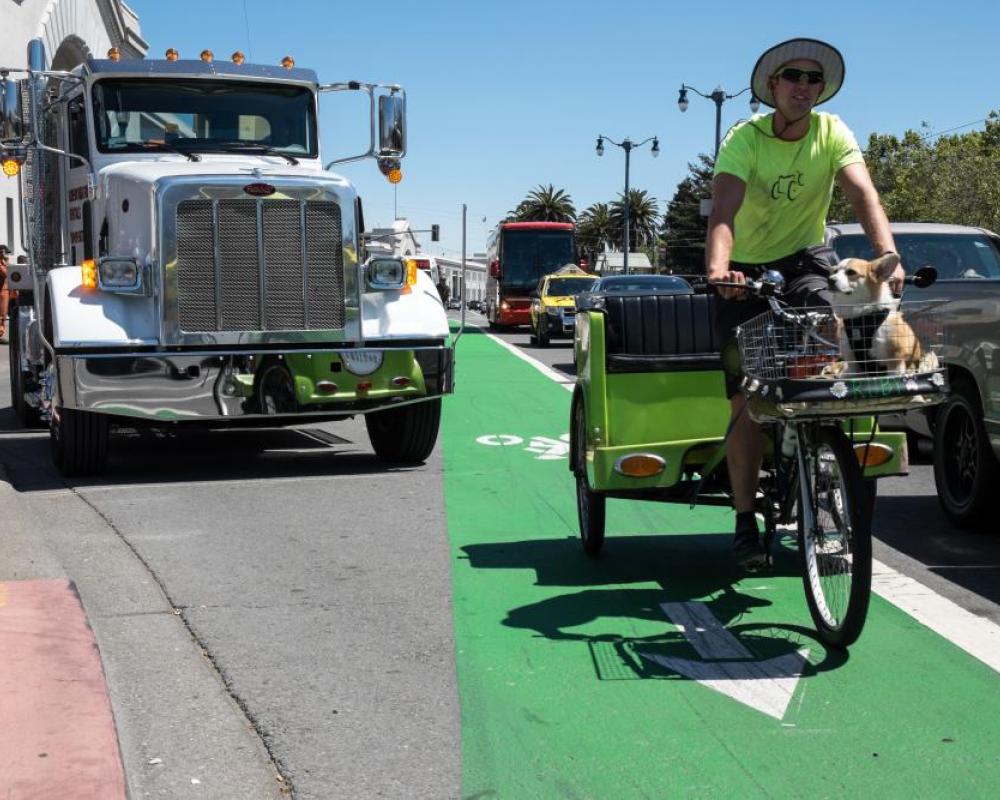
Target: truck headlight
column 388, row 273
column 119, row 274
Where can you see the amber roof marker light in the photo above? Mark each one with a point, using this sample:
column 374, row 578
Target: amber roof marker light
column 171, row 54
column 288, row 62
column 238, row 57
column 114, row 54
column 207, row 56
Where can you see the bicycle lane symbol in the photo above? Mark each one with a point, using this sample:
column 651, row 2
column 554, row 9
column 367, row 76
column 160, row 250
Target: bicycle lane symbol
column 544, row 448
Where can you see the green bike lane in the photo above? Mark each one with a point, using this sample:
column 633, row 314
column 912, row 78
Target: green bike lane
column 577, row 681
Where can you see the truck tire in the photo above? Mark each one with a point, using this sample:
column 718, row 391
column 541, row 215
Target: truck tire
column 79, row 441
column 25, row 413
column 405, row 435
column 965, row 469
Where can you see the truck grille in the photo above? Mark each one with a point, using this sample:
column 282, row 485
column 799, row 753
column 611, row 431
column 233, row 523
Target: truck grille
column 259, row 265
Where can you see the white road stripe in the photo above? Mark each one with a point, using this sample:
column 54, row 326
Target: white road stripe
column 567, row 381
column 976, row 635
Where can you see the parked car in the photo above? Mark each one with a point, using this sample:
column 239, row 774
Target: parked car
column 966, row 429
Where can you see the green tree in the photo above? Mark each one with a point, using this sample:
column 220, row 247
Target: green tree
column 684, row 228
column 544, row 204
column 595, row 231
column 643, row 213
column 953, row 179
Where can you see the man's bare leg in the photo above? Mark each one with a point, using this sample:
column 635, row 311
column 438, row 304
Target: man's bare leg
column 744, row 451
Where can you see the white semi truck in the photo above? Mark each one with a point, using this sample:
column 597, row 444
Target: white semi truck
column 191, row 261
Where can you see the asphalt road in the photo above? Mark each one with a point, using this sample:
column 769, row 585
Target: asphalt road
column 266, row 603
column 912, row 534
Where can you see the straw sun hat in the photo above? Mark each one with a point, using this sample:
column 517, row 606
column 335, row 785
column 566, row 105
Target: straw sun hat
column 827, row 56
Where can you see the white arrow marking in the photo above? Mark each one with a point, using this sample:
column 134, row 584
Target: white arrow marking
column 728, row 667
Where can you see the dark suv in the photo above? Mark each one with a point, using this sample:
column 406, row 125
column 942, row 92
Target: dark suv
column 966, row 429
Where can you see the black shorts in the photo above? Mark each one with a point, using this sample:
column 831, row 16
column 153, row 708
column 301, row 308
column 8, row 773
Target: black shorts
column 807, row 276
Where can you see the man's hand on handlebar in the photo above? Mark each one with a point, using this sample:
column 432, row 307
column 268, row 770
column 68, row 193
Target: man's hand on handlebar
column 896, row 280
column 728, row 277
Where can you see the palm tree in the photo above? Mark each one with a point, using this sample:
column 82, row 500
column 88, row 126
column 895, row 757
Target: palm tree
column 545, row 204
column 643, row 216
column 595, row 230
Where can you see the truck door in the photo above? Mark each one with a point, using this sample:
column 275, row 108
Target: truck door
column 79, row 214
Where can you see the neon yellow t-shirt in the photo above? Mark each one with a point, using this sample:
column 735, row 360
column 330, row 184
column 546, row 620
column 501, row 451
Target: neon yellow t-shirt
column 789, row 184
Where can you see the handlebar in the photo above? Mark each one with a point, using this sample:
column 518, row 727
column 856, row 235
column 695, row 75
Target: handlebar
column 772, row 282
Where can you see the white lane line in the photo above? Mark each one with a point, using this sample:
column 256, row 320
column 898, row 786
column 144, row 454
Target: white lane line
column 977, row 636
column 566, row 381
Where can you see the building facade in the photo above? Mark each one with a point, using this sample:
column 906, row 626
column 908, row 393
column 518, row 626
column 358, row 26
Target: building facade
column 73, row 31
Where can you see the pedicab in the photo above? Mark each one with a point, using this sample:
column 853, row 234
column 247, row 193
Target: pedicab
column 649, row 419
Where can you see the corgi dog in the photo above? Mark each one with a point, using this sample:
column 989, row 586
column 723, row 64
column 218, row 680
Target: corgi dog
column 874, row 337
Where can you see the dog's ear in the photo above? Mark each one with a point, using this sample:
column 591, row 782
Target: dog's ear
column 884, row 266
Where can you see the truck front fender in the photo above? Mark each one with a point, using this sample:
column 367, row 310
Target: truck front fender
column 84, row 317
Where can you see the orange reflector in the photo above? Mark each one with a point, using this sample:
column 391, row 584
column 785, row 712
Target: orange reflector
column 88, row 272
column 11, row 167
column 640, row 465
column 873, row 455
column 395, row 175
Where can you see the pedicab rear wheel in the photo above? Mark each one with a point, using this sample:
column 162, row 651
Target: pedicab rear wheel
column 590, row 505
column 836, row 549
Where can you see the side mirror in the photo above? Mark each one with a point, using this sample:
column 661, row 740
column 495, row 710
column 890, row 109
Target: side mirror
column 392, row 125
column 923, row 277
column 495, row 269
column 11, row 119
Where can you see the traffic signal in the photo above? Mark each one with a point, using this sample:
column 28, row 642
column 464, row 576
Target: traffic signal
column 435, row 233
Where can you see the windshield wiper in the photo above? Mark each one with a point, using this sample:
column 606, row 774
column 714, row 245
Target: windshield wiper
column 254, row 147
column 156, row 144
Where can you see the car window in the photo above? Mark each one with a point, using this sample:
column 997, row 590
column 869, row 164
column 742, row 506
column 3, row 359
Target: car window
column 956, row 256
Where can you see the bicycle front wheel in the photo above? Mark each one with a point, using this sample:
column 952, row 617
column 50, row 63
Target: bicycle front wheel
column 834, row 535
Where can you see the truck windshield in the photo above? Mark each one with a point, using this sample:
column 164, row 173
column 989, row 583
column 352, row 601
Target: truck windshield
column 135, row 115
column 527, row 255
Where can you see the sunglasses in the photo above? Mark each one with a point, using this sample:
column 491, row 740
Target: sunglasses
column 793, row 75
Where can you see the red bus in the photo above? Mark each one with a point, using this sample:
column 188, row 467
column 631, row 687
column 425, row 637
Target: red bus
column 519, row 254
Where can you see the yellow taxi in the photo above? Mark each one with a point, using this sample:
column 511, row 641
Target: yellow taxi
column 553, row 303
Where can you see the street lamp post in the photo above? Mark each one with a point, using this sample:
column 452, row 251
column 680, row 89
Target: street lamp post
column 627, row 145
column 718, row 97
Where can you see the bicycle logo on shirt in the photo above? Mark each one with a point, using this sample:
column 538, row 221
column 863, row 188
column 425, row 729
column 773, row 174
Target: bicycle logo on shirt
column 787, row 186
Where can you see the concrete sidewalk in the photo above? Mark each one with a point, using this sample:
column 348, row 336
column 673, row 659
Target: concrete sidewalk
column 162, row 724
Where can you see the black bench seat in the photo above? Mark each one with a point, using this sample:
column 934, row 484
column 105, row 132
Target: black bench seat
column 660, row 333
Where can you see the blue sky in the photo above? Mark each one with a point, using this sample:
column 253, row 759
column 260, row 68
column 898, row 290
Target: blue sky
column 505, row 96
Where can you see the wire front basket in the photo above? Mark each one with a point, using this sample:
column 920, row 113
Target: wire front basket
column 844, row 360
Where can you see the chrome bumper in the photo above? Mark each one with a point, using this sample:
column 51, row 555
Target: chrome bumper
column 204, row 386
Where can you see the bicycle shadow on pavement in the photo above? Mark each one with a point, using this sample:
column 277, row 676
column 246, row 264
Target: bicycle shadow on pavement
column 687, row 568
